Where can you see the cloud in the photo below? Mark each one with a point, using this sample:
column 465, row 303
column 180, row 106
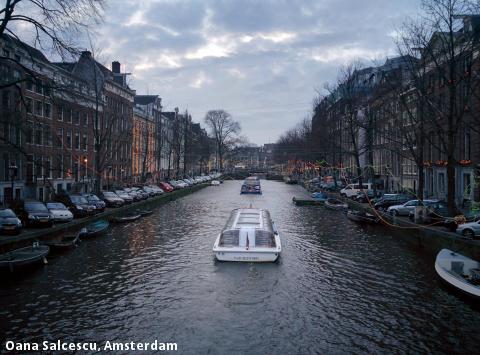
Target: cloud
column 259, row 59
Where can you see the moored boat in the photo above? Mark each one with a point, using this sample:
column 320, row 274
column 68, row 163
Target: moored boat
column 459, row 271
column 249, row 236
column 95, row 229
column 126, row 218
column 24, row 257
column 362, row 217
column 144, row 213
column 335, row 204
column 215, row 183
column 307, row 202
column 319, row 196
column 66, row 241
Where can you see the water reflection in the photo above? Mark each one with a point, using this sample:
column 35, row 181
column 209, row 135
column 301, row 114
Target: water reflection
column 337, row 288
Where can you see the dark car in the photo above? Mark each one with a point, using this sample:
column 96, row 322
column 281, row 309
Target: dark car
column 9, row 222
column 391, row 200
column 33, row 213
column 77, row 204
column 95, row 202
column 437, row 212
column 111, row 199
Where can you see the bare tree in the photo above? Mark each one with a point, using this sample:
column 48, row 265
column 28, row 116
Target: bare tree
column 224, row 130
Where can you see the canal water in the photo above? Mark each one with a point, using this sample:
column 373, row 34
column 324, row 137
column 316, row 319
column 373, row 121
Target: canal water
column 338, row 287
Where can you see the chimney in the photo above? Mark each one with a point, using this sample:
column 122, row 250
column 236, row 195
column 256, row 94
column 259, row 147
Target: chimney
column 116, row 67
column 86, row 54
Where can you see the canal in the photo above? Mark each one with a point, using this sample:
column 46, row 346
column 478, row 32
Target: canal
column 338, row 288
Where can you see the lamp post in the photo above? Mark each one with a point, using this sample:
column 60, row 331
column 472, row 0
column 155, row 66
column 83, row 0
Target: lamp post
column 13, row 169
column 121, row 176
column 85, row 162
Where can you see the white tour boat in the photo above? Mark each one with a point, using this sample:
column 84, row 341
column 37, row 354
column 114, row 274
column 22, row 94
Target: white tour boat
column 459, row 271
column 249, row 235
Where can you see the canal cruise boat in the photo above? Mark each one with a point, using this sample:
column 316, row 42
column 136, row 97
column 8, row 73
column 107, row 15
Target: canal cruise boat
column 251, row 185
column 249, row 236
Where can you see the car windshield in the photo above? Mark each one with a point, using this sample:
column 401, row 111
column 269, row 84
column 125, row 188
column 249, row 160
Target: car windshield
column 93, row 198
column 35, row 207
column 6, row 213
column 78, row 199
column 56, row 206
column 120, row 192
column 109, row 194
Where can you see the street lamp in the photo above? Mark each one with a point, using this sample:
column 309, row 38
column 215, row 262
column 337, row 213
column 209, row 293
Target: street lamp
column 13, row 169
column 85, row 161
column 122, row 170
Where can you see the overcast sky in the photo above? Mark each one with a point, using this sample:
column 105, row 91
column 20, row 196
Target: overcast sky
column 259, row 60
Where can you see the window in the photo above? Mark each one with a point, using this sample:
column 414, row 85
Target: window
column 76, row 117
column 38, row 134
column 47, row 169
column 29, row 132
column 441, row 183
column 47, row 136
column 16, row 74
column 68, row 115
column 38, row 167
column 39, row 87
column 60, row 113
column 85, row 118
column 46, row 90
column 59, row 138
column 29, row 105
column 47, row 109
column 69, row 139
column 84, row 142
column 77, row 140
column 38, row 108
column 29, row 83
column 467, row 144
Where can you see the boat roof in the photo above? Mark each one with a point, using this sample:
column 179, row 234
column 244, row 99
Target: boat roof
column 249, row 218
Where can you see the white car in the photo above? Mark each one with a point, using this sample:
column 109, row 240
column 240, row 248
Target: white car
column 59, row 212
column 469, row 230
column 406, row 208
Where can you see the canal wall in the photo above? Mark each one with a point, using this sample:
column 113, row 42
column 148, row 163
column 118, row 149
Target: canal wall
column 430, row 238
column 27, row 237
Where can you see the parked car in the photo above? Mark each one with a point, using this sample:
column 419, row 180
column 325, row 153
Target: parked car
column 9, row 222
column 388, row 200
column 352, row 190
column 405, row 208
column 77, row 204
column 111, row 199
column 95, row 201
column 364, row 196
column 165, row 186
column 133, row 194
column 59, row 212
column 469, row 230
column 33, row 213
column 124, row 196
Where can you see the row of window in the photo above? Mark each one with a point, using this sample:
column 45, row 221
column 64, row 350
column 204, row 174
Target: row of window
column 41, row 134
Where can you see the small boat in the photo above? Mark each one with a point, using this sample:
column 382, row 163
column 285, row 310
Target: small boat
column 95, row 229
column 307, row 202
column 126, row 218
column 334, row 204
column 24, row 256
column 459, row 271
column 67, row 241
column 362, row 217
column 215, row 183
column 250, row 236
column 144, row 213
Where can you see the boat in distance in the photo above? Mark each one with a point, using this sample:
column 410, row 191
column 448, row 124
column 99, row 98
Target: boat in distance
column 458, row 271
column 250, row 235
column 251, row 185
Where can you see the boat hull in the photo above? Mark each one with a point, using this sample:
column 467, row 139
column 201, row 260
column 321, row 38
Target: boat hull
column 23, row 257
column 452, row 278
column 252, row 255
column 456, row 283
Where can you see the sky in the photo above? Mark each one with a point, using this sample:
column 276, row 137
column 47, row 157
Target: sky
column 262, row 61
